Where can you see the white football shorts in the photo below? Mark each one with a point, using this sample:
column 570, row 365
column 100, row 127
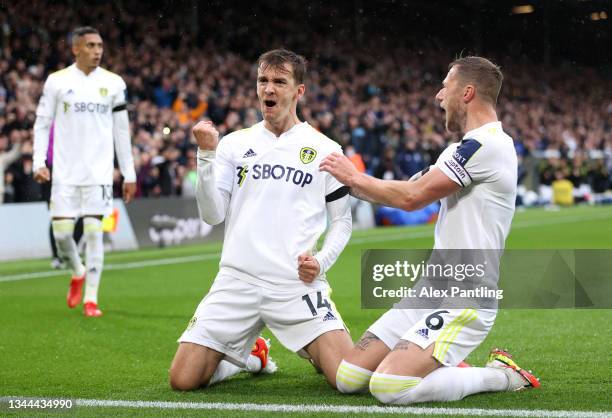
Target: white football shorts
column 69, row 201
column 231, row 316
column 455, row 332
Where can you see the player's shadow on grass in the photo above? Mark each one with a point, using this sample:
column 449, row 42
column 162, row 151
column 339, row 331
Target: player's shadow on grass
column 144, row 315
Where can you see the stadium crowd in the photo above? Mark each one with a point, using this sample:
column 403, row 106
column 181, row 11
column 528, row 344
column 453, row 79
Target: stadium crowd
column 375, row 99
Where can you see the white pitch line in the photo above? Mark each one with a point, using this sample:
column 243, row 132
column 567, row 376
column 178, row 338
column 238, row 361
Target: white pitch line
column 404, row 235
column 342, row 409
column 119, row 266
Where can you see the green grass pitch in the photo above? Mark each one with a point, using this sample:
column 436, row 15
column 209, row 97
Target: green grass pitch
column 47, row 350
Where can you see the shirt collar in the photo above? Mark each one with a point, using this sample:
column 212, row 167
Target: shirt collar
column 495, row 125
column 76, row 70
column 295, row 128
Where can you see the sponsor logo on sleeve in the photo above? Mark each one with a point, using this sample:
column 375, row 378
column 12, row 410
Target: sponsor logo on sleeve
column 457, row 170
column 466, row 150
column 457, row 164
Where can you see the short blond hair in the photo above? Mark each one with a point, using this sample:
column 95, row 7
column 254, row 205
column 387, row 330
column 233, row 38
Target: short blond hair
column 486, row 76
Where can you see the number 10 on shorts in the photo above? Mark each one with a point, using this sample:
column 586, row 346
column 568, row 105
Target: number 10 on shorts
column 321, row 303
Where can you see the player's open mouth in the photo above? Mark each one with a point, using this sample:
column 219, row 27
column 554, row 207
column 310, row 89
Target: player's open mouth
column 269, row 103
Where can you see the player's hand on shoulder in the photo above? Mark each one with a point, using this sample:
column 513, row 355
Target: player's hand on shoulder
column 206, row 135
column 42, row 175
column 308, row 268
column 339, row 166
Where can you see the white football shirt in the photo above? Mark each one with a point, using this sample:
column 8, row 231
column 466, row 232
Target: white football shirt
column 277, row 208
column 82, row 108
column 479, row 215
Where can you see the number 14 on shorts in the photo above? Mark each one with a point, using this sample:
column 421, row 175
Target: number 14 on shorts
column 321, row 303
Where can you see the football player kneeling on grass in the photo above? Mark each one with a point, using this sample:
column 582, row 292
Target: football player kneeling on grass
column 265, row 184
column 412, row 355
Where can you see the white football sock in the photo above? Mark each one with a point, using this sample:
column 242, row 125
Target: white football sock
column 443, row 384
column 225, row 370
column 63, row 230
column 94, row 257
column 351, row 378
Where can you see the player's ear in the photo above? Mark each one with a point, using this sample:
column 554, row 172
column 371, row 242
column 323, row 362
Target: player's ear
column 75, row 47
column 469, row 92
column 301, row 90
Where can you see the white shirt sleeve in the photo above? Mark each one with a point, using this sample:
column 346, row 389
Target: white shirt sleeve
column 120, row 96
column 214, row 184
column 420, row 174
column 338, row 233
column 121, row 135
column 225, row 171
column 467, row 162
column 45, row 113
column 331, row 184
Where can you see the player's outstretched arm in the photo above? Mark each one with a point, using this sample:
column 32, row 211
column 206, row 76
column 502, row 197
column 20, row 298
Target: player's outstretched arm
column 407, row 195
column 212, row 200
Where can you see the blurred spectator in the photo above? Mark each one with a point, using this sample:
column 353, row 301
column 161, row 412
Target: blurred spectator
column 190, row 177
column 7, row 157
column 375, row 98
column 387, row 169
column 410, row 160
column 355, row 158
column 562, row 190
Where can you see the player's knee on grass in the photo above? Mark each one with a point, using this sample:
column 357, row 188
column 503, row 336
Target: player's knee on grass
column 185, row 378
column 351, row 378
column 183, row 381
column 193, row 367
column 394, row 389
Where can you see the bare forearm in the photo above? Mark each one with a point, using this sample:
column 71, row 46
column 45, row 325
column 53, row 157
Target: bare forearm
column 398, row 194
column 361, row 196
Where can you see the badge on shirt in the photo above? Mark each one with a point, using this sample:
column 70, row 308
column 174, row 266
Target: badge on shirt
column 103, row 91
column 307, row 155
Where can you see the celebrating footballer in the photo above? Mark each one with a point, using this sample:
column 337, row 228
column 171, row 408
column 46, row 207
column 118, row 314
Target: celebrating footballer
column 264, row 182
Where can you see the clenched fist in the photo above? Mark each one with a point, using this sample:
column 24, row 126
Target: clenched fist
column 308, row 268
column 42, row 175
column 206, row 135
